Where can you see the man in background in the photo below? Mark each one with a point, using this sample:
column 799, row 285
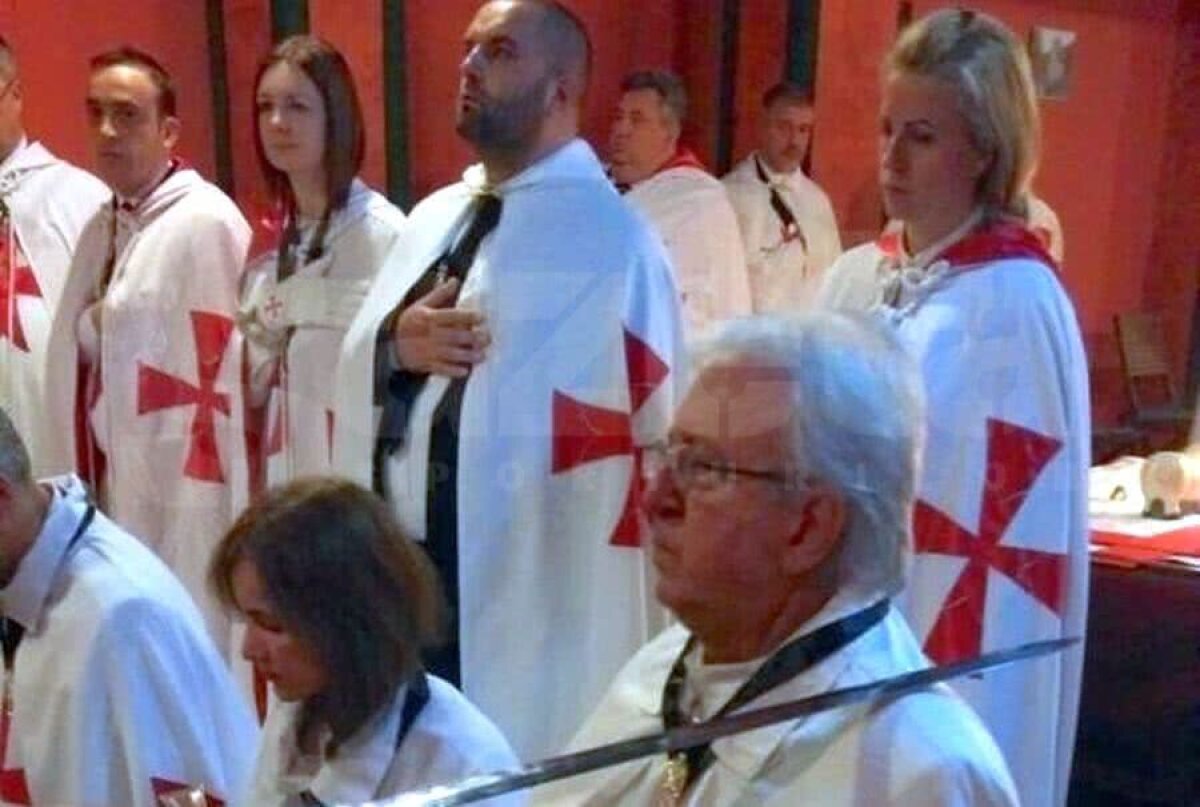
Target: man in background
column 144, row 358
column 686, row 205
column 45, row 203
column 787, row 224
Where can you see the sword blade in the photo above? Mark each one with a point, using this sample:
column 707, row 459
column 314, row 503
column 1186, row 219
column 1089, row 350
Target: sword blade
column 478, row 788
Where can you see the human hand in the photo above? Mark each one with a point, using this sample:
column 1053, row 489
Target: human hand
column 431, row 336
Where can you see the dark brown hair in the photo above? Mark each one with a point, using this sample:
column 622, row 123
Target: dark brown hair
column 787, row 92
column 344, row 578
column 127, row 56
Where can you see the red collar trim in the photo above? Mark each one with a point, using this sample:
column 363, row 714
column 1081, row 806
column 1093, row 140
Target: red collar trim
column 683, row 158
column 266, row 230
column 998, row 241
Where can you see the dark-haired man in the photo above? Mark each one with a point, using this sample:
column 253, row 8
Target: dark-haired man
column 44, row 204
column 113, row 690
column 787, row 223
column 687, row 205
column 147, row 318
column 521, row 340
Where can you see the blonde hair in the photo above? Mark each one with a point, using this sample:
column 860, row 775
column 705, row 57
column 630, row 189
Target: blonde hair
column 985, row 64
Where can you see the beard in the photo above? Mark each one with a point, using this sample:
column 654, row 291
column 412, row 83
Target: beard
column 508, row 124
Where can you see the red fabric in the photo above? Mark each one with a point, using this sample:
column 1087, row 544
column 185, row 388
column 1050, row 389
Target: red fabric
column 583, row 433
column 13, row 787
column 998, row 241
column 266, row 228
column 15, row 282
column 90, row 461
column 1134, row 550
column 158, row 390
column 683, row 158
column 1015, row 459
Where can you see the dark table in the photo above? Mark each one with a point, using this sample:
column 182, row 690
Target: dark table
column 1138, row 742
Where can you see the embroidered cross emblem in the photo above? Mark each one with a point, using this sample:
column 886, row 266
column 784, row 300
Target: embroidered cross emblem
column 1016, row 457
column 16, row 280
column 583, row 433
column 157, row 390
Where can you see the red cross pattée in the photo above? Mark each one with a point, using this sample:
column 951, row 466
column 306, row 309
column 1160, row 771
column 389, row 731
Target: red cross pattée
column 157, row 390
column 584, row 433
column 1015, row 459
column 16, row 281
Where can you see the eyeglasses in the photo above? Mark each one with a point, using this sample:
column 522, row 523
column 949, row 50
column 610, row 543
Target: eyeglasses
column 693, row 471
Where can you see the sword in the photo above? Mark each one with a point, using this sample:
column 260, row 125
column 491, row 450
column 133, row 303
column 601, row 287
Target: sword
column 477, row 788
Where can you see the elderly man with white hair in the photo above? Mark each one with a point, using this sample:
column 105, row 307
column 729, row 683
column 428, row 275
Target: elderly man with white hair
column 780, row 510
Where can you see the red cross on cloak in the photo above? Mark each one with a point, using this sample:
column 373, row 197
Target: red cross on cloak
column 1015, row 459
column 13, row 787
column 584, row 433
column 157, row 390
column 16, row 281
column 166, row 787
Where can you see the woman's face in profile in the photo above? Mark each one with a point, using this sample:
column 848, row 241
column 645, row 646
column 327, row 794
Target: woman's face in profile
column 288, row 662
column 928, row 167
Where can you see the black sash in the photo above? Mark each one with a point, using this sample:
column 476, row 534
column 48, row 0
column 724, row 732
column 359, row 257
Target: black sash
column 787, row 219
column 784, row 664
column 415, row 700
column 441, row 503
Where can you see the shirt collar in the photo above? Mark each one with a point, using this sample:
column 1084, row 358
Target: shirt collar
column 357, row 772
column 27, row 595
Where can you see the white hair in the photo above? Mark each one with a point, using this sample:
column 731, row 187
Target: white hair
column 857, row 424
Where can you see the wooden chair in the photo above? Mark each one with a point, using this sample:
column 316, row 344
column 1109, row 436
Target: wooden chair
column 1156, row 402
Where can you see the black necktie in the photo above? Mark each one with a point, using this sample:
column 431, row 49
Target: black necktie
column 11, row 632
column 441, row 504
column 396, row 390
column 787, row 219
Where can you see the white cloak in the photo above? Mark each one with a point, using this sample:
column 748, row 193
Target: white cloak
column 299, row 405
column 449, row 741
column 785, row 270
column 49, row 203
column 690, row 211
column 169, row 418
column 583, row 367
column 926, row 749
column 118, row 691
column 1006, row 458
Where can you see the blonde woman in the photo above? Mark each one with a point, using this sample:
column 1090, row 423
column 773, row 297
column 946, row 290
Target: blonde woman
column 1000, row 533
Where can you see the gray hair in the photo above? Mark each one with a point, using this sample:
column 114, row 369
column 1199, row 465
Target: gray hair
column 14, row 457
column 857, row 425
column 985, row 64
column 667, row 85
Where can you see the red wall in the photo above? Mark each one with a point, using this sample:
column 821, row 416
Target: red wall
column 54, row 41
